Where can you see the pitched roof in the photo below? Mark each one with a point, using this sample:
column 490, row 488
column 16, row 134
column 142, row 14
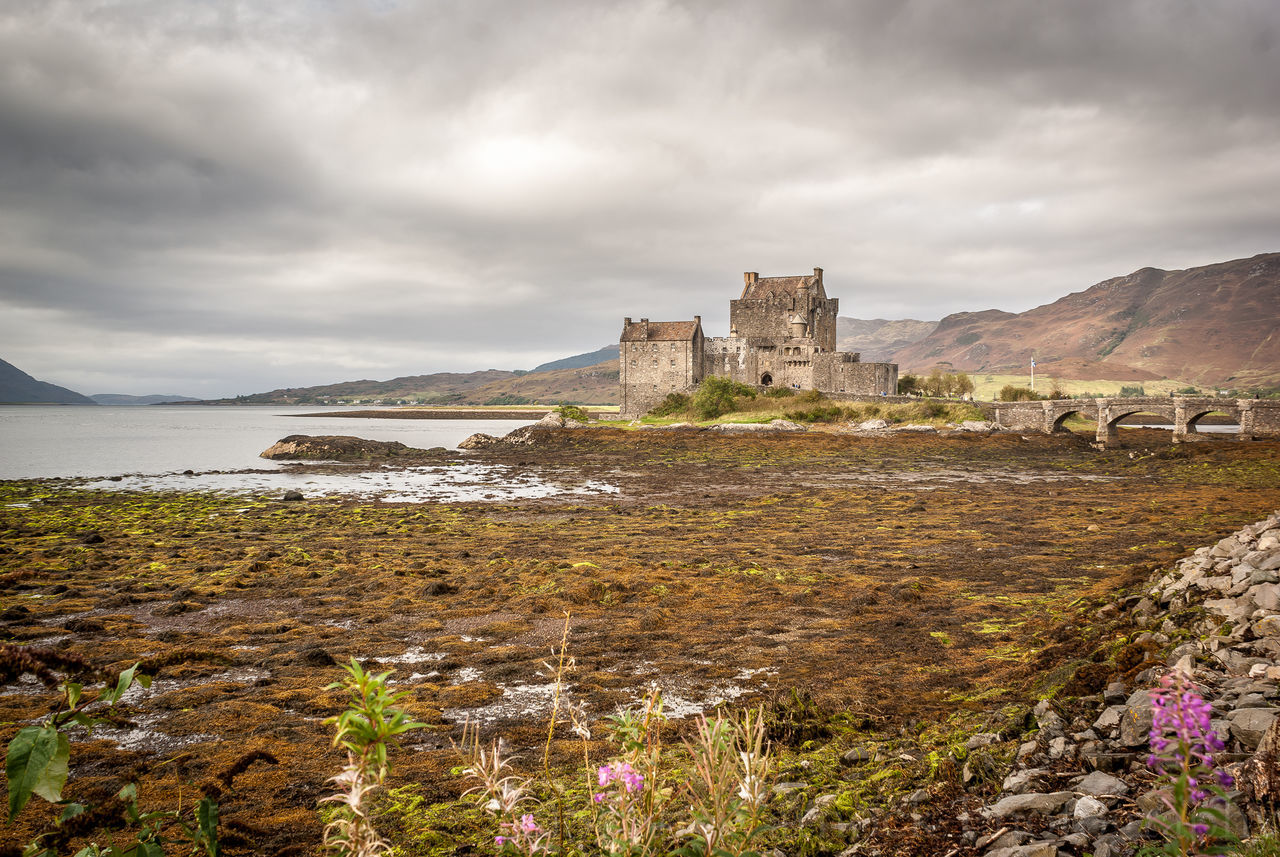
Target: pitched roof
column 659, row 331
column 767, row 287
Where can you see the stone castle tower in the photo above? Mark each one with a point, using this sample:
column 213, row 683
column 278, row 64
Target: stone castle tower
column 782, row 332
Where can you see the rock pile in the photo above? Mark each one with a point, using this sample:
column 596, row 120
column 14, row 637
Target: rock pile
column 1079, row 784
column 1216, row 617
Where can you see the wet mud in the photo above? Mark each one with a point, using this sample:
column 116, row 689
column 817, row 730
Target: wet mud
column 890, row 583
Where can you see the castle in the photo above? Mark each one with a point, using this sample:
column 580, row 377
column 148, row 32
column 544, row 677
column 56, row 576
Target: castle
column 782, row 333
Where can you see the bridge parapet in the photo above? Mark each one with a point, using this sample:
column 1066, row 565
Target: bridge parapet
column 1257, row 418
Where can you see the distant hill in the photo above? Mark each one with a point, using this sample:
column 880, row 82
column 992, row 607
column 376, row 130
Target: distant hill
column 19, row 388
column 596, row 385
column 578, row 361
column 1216, row 325
column 877, row 340
column 122, row 399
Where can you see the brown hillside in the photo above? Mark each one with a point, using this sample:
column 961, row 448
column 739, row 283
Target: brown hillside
column 877, row 339
column 1214, row 325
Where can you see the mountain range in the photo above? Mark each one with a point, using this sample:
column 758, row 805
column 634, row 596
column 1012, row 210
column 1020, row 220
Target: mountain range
column 1216, row 325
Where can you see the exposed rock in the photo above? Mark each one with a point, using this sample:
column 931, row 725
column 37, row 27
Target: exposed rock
column 1248, row 725
column 479, row 440
column 1043, row 804
column 1099, row 783
column 301, row 447
column 1089, row 807
column 292, row 496
column 873, row 425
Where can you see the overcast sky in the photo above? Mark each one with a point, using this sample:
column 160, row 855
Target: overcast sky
column 212, row 198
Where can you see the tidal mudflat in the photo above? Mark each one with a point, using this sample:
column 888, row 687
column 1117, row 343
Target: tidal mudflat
column 888, row 591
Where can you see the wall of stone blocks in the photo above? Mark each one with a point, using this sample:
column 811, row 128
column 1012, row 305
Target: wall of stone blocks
column 770, row 319
column 648, row 371
column 833, row 373
column 729, row 357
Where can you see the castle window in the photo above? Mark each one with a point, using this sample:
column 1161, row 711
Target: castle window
column 655, row 361
column 655, row 346
column 673, row 362
column 633, row 362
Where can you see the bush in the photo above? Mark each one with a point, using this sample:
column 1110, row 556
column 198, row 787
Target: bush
column 573, row 412
column 818, row 414
column 908, row 384
column 1132, row 390
column 1010, row 393
column 716, row 396
column 674, row 403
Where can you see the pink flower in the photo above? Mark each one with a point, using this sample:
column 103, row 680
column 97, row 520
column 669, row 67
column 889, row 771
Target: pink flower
column 604, row 775
column 528, row 824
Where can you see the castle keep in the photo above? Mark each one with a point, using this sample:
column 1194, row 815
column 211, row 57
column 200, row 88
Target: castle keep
column 782, row 332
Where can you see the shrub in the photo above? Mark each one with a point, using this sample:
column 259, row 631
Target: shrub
column 674, row 403
column 1132, row 390
column 810, row 397
column 1010, row 393
column 908, row 384
column 818, row 414
column 573, row 412
column 715, row 396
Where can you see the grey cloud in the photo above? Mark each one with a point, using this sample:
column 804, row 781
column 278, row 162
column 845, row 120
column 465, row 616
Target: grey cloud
column 404, row 181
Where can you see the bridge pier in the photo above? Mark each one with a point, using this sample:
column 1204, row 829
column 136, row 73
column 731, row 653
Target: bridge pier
column 1108, row 436
column 1180, row 427
column 1248, row 419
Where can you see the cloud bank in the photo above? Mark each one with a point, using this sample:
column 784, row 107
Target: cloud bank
column 221, row 198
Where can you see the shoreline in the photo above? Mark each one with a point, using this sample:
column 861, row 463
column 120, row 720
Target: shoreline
column 450, row 413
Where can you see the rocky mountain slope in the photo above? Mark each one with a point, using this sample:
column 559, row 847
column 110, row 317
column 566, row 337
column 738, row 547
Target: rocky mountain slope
column 877, row 339
column 17, row 387
column 1213, row 325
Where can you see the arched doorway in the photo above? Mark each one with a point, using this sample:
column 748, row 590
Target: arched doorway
column 766, row 380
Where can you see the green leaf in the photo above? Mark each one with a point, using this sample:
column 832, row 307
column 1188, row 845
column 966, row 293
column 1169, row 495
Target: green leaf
column 70, row 811
column 122, row 684
column 207, row 818
column 36, row 763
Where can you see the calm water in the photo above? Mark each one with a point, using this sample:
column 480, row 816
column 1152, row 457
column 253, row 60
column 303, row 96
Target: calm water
column 151, row 446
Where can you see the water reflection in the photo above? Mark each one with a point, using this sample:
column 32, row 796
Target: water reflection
column 433, row 483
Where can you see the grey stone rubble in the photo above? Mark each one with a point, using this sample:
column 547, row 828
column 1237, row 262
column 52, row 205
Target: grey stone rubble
column 1083, row 787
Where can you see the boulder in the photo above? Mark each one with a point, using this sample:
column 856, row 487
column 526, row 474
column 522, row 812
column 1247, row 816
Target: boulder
column 1098, row 783
column 1042, row 804
column 873, row 425
column 1135, row 721
column 301, row 447
column 1248, row 725
column 479, row 440
column 1089, row 807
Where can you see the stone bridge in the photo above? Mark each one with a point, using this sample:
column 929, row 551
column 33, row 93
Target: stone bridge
column 1257, row 418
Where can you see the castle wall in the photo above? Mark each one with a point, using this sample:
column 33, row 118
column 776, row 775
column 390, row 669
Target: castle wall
column 770, row 318
column 835, row 373
column 648, row 371
column 730, row 357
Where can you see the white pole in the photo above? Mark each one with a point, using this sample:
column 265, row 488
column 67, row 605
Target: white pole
column 1033, row 374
